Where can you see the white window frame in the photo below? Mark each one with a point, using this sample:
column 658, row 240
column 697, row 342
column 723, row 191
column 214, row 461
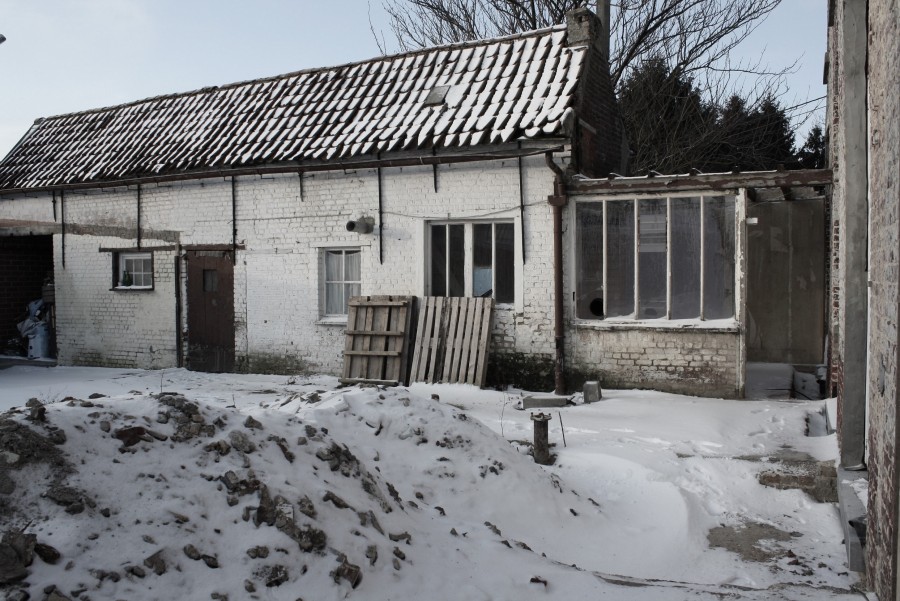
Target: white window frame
column 123, row 258
column 703, row 199
column 324, row 281
column 469, row 250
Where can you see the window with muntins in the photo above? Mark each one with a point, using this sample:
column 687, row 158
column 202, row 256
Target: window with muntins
column 655, row 258
column 342, row 280
column 134, row 270
column 472, row 259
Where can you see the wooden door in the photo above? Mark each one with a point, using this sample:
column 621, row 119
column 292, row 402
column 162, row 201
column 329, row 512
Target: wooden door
column 210, row 311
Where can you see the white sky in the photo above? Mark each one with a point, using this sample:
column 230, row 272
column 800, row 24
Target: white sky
column 63, row 56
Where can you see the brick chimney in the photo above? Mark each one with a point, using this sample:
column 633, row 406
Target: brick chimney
column 585, row 27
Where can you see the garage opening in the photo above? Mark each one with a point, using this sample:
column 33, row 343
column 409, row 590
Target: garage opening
column 27, row 300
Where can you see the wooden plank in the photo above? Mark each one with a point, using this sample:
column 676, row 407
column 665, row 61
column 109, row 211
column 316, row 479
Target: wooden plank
column 458, row 340
column 380, row 321
column 369, row 303
column 450, row 339
column 390, row 332
column 348, row 341
column 397, row 322
column 415, row 373
column 484, row 345
column 435, row 342
column 374, row 353
column 467, row 371
column 367, row 381
column 467, row 340
column 366, row 342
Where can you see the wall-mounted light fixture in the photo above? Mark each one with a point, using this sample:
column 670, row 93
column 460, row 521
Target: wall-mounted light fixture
column 2, row 38
column 363, row 225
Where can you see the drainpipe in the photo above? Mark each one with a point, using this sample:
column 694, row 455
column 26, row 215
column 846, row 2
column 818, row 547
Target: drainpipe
column 558, row 200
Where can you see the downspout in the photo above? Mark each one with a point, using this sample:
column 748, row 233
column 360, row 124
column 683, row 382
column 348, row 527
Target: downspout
column 138, row 233
column 558, row 200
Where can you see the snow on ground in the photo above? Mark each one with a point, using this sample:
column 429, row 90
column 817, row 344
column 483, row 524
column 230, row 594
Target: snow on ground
column 426, row 491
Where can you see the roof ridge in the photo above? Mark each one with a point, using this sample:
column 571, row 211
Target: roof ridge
column 236, row 84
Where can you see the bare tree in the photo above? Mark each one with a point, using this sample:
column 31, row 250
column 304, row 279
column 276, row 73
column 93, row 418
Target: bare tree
column 690, row 35
column 691, row 41
column 424, row 23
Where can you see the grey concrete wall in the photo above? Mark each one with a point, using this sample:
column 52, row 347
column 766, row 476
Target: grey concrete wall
column 786, row 282
column 849, row 203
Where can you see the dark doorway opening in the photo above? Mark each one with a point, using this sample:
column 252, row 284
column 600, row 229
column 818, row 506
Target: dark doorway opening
column 26, row 273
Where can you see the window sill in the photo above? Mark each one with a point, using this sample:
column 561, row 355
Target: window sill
column 722, row 326
column 132, row 289
column 332, row 321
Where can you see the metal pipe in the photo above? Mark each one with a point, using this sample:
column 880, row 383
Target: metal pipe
column 558, row 200
column 234, row 231
column 139, row 216
column 62, row 219
column 380, row 224
column 522, row 205
column 179, row 350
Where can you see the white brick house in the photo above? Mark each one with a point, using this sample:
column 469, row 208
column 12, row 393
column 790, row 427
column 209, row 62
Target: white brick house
column 224, row 229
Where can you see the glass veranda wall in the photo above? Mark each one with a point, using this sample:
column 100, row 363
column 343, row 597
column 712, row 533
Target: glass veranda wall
column 646, row 258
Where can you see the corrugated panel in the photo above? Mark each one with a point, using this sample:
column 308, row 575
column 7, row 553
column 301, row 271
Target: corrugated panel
column 502, row 90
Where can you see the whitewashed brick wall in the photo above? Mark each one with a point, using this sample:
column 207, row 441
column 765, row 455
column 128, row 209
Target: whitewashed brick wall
column 283, row 226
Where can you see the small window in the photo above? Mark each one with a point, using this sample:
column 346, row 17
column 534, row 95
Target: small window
column 342, row 280
column 134, row 270
column 472, row 259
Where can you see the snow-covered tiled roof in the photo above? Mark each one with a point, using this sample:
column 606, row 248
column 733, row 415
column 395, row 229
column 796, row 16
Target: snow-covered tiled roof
column 499, row 90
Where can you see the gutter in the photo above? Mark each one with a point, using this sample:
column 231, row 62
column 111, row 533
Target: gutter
column 558, row 200
column 290, row 168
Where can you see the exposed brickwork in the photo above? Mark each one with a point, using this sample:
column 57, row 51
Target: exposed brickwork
column 691, row 362
column 24, row 262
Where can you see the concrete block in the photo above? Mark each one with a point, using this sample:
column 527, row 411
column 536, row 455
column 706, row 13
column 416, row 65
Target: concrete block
column 592, row 392
column 549, row 400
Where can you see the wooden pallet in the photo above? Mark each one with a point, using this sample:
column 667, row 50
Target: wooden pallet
column 375, row 349
column 452, row 340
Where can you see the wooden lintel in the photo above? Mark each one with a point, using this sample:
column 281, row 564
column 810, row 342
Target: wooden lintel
column 714, row 182
column 374, row 353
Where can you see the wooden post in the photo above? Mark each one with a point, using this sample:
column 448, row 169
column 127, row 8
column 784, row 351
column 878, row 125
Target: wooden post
column 541, row 438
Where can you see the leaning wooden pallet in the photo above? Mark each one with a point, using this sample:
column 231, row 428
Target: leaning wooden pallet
column 375, row 349
column 452, row 340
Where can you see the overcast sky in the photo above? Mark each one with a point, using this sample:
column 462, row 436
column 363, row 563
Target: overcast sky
column 63, row 56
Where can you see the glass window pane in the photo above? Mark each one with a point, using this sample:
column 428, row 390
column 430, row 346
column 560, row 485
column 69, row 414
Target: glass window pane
column 438, row 260
column 504, row 279
column 350, row 291
column 652, row 270
column 685, row 258
column 456, row 262
column 352, row 265
column 620, row 258
column 333, row 266
column 718, row 272
column 334, row 300
column 482, row 260
column 589, row 257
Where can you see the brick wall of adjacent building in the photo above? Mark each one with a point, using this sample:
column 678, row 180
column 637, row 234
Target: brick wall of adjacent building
column 884, row 274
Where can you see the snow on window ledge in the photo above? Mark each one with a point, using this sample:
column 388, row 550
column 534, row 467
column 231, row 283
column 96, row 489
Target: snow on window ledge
column 332, row 320
column 729, row 326
column 132, row 288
